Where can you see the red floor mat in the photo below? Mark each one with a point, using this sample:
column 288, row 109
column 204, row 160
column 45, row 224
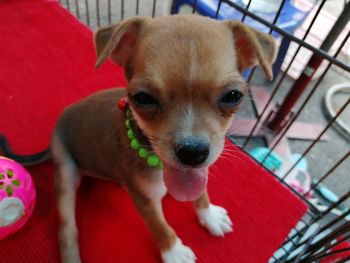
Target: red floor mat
column 47, row 60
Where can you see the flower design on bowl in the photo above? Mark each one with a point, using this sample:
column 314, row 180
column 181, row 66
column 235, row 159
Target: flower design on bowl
column 17, row 196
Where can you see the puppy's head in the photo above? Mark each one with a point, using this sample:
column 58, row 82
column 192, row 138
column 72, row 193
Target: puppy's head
column 185, row 83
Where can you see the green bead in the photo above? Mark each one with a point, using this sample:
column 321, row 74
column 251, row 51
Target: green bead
column 153, row 160
column 131, row 134
column 135, row 144
column 143, row 153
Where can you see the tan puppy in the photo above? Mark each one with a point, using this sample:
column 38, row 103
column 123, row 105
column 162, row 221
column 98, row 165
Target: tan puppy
column 184, row 86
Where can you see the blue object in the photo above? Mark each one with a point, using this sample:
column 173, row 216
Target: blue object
column 289, row 20
column 302, row 165
column 273, row 162
column 328, row 194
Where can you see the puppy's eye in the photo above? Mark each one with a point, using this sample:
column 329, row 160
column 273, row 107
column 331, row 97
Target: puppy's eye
column 144, row 99
column 231, row 99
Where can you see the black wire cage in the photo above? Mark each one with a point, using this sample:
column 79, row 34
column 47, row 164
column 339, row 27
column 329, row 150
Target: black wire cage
column 311, row 83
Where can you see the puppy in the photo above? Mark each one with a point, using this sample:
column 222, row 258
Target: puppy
column 184, row 87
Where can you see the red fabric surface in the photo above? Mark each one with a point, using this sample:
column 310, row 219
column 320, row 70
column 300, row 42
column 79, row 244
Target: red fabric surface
column 339, row 256
column 46, row 62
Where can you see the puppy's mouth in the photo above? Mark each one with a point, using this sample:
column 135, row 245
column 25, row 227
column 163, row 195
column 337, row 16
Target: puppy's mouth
column 185, row 184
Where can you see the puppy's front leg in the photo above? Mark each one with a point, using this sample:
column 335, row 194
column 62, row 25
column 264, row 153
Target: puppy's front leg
column 214, row 218
column 147, row 199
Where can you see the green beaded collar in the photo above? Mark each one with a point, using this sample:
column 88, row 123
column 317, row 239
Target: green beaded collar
column 151, row 159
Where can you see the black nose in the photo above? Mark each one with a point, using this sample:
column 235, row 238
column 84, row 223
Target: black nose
column 192, row 151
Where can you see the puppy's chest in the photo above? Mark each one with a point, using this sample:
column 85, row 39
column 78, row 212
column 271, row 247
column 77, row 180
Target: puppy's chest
column 154, row 187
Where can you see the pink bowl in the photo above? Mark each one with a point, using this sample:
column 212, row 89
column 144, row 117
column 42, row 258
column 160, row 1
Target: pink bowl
column 17, row 196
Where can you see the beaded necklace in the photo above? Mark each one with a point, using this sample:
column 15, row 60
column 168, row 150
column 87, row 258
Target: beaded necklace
column 151, row 159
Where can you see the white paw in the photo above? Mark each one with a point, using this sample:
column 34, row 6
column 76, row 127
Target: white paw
column 179, row 253
column 215, row 219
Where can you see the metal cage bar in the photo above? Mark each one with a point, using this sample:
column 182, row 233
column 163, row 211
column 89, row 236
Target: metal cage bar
column 77, row 9
column 194, row 6
column 137, row 7
column 218, row 8
column 122, row 10
column 154, row 8
column 246, row 9
column 278, row 85
column 304, row 44
column 296, row 115
column 87, row 12
column 329, row 172
column 109, row 12
column 98, row 13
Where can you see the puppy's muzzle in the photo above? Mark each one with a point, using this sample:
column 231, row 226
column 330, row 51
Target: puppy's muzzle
column 192, row 151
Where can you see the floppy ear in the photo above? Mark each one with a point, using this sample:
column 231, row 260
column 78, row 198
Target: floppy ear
column 253, row 47
column 117, row 41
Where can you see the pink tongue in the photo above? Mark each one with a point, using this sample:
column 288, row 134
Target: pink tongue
column 185, row 185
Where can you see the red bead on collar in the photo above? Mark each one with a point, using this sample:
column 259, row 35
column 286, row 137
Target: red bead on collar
column 123, row 103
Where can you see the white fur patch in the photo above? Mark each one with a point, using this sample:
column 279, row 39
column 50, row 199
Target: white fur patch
column 215, row 219
column 179, row 253
column 188, row 119
column 155, row 189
